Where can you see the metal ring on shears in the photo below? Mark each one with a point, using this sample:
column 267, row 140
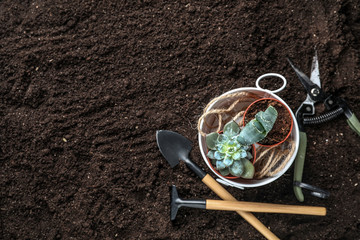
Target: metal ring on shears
column 314, row 191
column 272, row 75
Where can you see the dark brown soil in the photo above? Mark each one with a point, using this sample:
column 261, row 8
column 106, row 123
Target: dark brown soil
column 282, row 125
column 84, row 85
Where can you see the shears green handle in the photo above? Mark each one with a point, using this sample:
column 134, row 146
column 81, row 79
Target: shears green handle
column 354, row 123
column 300, row 160
column 299, row 166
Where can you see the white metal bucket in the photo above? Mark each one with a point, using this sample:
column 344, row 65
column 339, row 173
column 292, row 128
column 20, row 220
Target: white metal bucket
column 247, row 183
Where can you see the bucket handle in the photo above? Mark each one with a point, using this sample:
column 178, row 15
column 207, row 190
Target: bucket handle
column 226, row 183
column 272, row 75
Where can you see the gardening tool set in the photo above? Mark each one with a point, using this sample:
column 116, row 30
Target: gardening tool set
column 175, row 148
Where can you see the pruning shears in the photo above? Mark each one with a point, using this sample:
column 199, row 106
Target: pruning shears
column 336, row 106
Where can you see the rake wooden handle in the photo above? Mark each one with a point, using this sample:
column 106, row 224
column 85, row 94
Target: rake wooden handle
column 250, row 218
column 264, row 207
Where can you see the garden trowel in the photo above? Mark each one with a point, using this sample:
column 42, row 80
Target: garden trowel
column 177, row 202
column 175, row 148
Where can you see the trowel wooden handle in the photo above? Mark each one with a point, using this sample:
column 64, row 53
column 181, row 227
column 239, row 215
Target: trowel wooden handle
column 250, row 218
column 264, row 207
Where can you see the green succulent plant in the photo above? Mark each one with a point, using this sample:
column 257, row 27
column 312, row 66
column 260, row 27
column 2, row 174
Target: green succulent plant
column 230, row 151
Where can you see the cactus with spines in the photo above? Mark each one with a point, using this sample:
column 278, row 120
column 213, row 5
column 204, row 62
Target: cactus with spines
column 229, row 151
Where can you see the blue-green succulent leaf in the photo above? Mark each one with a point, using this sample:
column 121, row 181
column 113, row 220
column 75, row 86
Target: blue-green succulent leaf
column 236, row 156
column 222, row 148
column 210, row 154
column 220, row 165
column 231, row 129
column 231, row 150
column 243, row 154
column 211, row 140
column 259, row 126
column 249, row 155
column 218, row 155
column 249, row 169
column 250, row 134
column 267, row 118
column 224, row 171
column 240, row 138
column 228, row 161
column 222, row 138
column 245, row 147
column 237, row 168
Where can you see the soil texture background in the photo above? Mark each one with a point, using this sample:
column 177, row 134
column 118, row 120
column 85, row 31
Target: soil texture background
column 84, row 85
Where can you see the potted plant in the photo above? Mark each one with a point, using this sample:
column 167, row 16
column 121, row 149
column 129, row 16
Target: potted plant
column 229, row 150
column 270, row 162
column 281, row 130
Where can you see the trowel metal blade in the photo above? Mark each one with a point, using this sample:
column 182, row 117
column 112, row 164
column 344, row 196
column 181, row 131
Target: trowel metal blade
column 173, row 146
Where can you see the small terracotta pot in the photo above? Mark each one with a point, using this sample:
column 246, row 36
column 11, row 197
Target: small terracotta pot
column 232, row 177
column 291, row 118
